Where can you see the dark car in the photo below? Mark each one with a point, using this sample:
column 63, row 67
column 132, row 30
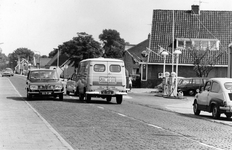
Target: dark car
column 189, row 85
column 44, row 82
column 8, row 72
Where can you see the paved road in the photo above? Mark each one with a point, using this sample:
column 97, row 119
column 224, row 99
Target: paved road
column 132, row 125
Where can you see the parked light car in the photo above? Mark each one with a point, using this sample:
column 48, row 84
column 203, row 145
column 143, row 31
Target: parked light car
column 8, row 72
column 44, row 82
column 215, row 97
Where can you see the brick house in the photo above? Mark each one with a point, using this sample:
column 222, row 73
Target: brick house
column 199, row 28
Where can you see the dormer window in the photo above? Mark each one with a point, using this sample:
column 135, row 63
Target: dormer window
column 198, row 44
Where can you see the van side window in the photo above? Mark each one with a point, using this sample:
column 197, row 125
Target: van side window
column 115, row 68
column 99, row 68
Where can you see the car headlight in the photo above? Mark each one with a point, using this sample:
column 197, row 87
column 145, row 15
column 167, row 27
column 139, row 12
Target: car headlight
column 58, row 87
column 33, row 87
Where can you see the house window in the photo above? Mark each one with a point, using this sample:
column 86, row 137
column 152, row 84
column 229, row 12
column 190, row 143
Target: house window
column 199, row 44
column 180, row 43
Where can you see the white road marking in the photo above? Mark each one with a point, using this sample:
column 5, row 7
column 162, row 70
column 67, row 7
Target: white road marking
column 100, row 107
column 155, row 126
column 122, row 115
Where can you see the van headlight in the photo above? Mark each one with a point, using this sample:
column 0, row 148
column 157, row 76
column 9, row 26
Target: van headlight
column 58, row 87
column 34, row 87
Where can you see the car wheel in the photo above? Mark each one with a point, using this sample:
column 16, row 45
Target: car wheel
column 76, row 92
column 108, row 98
column 191, row 92
column 195, row 109
column 119, row 99
column 61, row 97
column 29, row 96
column 67, row 92
column 215, row 112
column 88, row 98
column 81, row 97
column 228, row 116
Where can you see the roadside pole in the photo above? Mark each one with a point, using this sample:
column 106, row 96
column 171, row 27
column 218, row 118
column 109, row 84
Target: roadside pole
column 229, row 70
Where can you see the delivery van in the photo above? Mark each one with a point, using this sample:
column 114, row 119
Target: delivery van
column 101, row 77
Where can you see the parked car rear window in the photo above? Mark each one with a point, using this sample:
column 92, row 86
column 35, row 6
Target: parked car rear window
column 228, row 85
column 197, row 81
column 99, row 68
column 115, row 68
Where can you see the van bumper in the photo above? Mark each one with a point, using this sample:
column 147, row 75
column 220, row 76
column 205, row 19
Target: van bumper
column 99, row 93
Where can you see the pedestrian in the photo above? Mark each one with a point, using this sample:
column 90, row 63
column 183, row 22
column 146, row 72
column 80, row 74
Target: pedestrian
column 130, row 82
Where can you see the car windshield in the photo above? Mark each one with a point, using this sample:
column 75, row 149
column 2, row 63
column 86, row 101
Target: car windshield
column 43, row 74
column 8, row 69
column 228, row 85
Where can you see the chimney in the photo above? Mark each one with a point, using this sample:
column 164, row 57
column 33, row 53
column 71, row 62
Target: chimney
column 195, row 9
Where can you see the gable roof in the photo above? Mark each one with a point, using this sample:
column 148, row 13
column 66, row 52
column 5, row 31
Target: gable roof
column 207, row 25
column 135, row 51
column 43, row 61
column 53, row 61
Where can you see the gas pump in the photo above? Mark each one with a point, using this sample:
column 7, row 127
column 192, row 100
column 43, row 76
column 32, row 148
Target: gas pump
column 166, row 84
column 173, row 88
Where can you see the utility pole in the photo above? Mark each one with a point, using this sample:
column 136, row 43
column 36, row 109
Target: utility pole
column 173, row 30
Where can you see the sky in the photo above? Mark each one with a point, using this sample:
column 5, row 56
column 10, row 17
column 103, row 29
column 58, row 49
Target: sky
column 42, row 25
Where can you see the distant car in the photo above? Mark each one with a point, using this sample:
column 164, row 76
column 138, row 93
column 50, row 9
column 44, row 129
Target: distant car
column 215, row 97
column 44, row 82
column 8, row 72
column 71, row 86
column 189, row 85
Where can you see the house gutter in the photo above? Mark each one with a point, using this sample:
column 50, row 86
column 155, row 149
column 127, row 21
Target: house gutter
column 178, row 64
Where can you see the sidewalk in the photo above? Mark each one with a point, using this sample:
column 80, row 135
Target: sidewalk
column 21, row 127
column 173, row 104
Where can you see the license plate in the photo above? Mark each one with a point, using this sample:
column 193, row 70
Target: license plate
column 107, row 79
column 46, row 93
column 107, row 92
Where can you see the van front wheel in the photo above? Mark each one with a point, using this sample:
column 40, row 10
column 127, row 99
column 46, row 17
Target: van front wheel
column 108, row 98
column 119, row 99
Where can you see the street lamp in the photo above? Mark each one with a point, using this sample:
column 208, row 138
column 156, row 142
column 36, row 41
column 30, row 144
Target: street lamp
column 164, row 53
column 177, row 52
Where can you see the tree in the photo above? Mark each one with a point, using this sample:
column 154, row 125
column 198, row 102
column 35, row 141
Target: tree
column 81, row 47
column 20, row 53
column 52, row 53
column 204, row 60
column 3, row 61
column 114, row 45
